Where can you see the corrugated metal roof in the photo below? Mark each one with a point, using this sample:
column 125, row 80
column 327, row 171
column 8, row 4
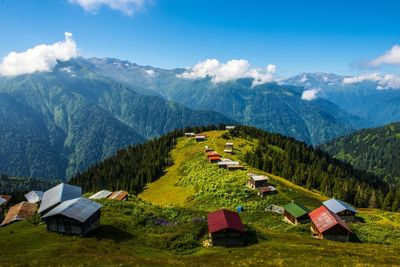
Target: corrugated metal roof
column 79, row 209
column 224, row 219
column 20, row 212
column 224, row 162
column 58, row 194
column 101, row 194
column 119, row 195
column 336, row 205
column 295, row 209
column 257, row 178
column 34, row 196
column 325, row 219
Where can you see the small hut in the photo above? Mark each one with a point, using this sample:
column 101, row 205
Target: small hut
column 224, row 163
column 214, row 159
column 119, row 195
column 200, row 138
column 189, row 135
column 101, row 194
column 266, row 191
column 58, row 194
column 208, row 149
column 34, row 196
column 257, row 181
column 296, row 213
column 344, row 210
column 76, row 216
column 327, row 225
column 234, row 167
column 225, row 228
column 20, row 212
column 212, row 154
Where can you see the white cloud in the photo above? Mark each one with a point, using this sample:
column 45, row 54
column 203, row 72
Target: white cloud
column 150, row 73
column 127, row 7
column 391, row 57
column 39, row 58
column 384, row 81
column 310, row 94
column 231, row 70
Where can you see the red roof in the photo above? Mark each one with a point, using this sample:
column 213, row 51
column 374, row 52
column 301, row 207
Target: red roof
column 214, row 157
column 325, row 219
column 224, row 219
column 211, row 154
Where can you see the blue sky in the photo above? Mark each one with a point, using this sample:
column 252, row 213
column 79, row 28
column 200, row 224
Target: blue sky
column 296, row 36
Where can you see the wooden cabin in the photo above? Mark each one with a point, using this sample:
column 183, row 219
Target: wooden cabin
column 214, row 159
column 225, row 228
column 234, row 167
column 327, row 225
column 101, row 194
column 200, row 138
column 296, row 213
column 189, row 134
column 208, row 149
column 212, row 154
column 266, row 191
column 77, row 216
column 344, row 210
column 224, row 163
column 34, row 196
column 20, row 212
column 257, row 181
column 56, row 195
column 119, row 195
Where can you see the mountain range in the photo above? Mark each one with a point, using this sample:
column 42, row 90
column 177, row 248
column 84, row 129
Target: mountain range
column 58, row 123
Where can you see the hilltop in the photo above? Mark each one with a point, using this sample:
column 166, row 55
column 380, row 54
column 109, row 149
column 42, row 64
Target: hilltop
column 374, row 150
column 167, row 219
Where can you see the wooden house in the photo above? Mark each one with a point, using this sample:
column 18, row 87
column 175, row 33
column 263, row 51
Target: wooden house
column 295, row 213
column 327, row 225
column 213, row 154
column 230, row 127
column 76, row 216
column 257, row 181
column 214, row 159
column 234, row 167
column 225, row 228
column 58, row 194
column 189, row 134
column 101, row 194
column 119, row 195
column 208, row 149
column 200, row 138
column 344, row 210
column 224, row 163
column 20, row 212
column 267, row 190
column 34, row 196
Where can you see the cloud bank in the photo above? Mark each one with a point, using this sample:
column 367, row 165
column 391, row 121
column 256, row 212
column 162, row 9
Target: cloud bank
column 310, row 94
column 231, row 70
column 386, row 81
column 391, row 57
column 39, row 58
column 126, row 7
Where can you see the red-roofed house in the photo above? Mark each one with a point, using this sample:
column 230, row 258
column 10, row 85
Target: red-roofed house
column 327, row 225
column 214, row 159
column 225, row 228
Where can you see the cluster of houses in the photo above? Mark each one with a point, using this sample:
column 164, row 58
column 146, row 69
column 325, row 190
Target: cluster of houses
column 62, row 208
column 329, row 221
column 223, row 163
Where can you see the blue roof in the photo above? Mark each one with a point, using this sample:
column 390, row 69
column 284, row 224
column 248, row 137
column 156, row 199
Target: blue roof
column 336, row 205
column 79, row 209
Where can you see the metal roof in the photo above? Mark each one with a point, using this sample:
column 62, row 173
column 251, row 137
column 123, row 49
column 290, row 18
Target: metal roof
column 297, row 210
column 79, row 209
column 325, row 219
column 118, row 195
column 2, row 201
column 336, row 205
column 101, row 194
column 257, row 178
column 34, row 196
column 224, row 219
column 20, row 212
column 58, row 194
column 224, row 162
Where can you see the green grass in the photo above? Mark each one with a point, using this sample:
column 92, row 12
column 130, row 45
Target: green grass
column 166, row 226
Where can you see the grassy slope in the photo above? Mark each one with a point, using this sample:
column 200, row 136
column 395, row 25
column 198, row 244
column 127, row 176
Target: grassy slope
column 128, row 237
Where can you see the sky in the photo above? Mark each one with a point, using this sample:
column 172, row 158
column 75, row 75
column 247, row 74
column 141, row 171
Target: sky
column 341, row 36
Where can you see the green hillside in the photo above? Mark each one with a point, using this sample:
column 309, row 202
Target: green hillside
column 165, row 225
column 375, row 150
